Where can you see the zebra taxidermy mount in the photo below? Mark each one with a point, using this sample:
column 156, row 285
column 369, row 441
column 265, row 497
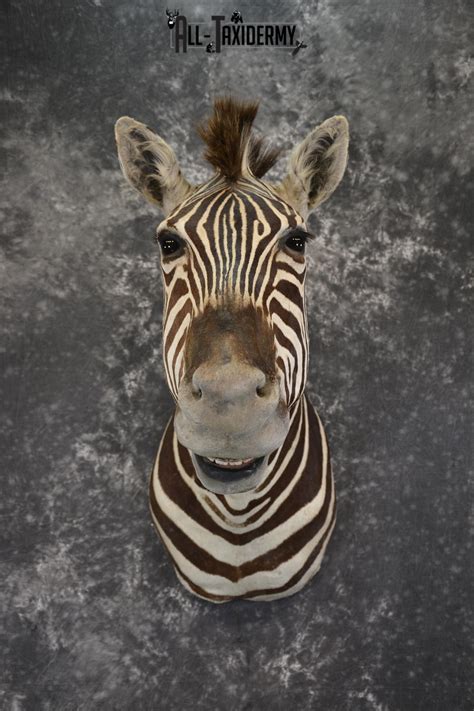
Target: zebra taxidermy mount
column 242, row 493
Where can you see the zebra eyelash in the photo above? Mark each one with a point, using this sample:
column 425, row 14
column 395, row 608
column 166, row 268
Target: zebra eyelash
column 297, row 248
column 298, row 232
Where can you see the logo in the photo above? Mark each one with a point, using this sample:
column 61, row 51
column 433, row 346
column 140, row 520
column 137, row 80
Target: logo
column 217, row 34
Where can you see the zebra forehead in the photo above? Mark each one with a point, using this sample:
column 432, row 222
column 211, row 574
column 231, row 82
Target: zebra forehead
column 246, row 205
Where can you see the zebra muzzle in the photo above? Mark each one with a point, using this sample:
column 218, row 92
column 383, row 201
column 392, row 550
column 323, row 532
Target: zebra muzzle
column 229, row 476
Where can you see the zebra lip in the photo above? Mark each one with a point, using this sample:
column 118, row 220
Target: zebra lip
column 228, row 469
column 229, row 463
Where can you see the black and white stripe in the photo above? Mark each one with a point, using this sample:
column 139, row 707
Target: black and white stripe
column 258, row 545
column 236, row 354
column 224, row 258
column 269, row 542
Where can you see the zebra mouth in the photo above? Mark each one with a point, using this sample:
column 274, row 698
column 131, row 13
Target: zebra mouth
column 227, row 476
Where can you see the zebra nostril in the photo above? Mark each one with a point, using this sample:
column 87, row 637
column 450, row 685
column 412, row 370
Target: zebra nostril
column 266, row 389
column 197, row 393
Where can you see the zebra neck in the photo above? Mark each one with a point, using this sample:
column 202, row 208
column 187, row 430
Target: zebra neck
column 264, row 544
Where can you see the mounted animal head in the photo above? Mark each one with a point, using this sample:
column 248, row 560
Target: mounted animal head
column 172, row 15
column 233, row 263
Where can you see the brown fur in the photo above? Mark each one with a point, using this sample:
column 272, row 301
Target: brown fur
column 229, row 139
column 231, row 332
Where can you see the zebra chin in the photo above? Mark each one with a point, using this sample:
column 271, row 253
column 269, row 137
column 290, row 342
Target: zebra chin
column 246, row 454
column 220, row 480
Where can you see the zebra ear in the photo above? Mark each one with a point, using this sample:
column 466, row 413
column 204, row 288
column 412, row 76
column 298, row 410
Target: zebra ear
column 317, row 165
column 150, row 165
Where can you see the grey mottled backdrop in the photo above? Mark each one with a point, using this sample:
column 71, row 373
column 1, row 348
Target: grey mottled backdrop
column 92, row 615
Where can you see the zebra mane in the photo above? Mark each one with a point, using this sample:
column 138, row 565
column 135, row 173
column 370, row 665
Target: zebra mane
column 230, row 142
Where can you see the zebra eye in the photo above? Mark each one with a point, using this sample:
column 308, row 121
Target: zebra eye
column 296, row 242
column 170, row 244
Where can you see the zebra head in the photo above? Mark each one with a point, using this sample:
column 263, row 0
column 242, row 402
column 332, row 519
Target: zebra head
column 233, row 262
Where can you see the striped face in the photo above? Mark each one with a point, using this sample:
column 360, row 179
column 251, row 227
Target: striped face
column 235, row 333
column 236, row 250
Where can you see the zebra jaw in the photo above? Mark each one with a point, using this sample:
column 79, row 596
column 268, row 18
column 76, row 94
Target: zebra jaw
column 229, row 476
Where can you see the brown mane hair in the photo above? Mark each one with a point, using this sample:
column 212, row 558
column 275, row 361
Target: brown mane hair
column 228, row 133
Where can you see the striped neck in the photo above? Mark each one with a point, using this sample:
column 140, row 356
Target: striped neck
column 259, row 545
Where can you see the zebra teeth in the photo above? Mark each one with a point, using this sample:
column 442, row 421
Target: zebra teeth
column 230, row 463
